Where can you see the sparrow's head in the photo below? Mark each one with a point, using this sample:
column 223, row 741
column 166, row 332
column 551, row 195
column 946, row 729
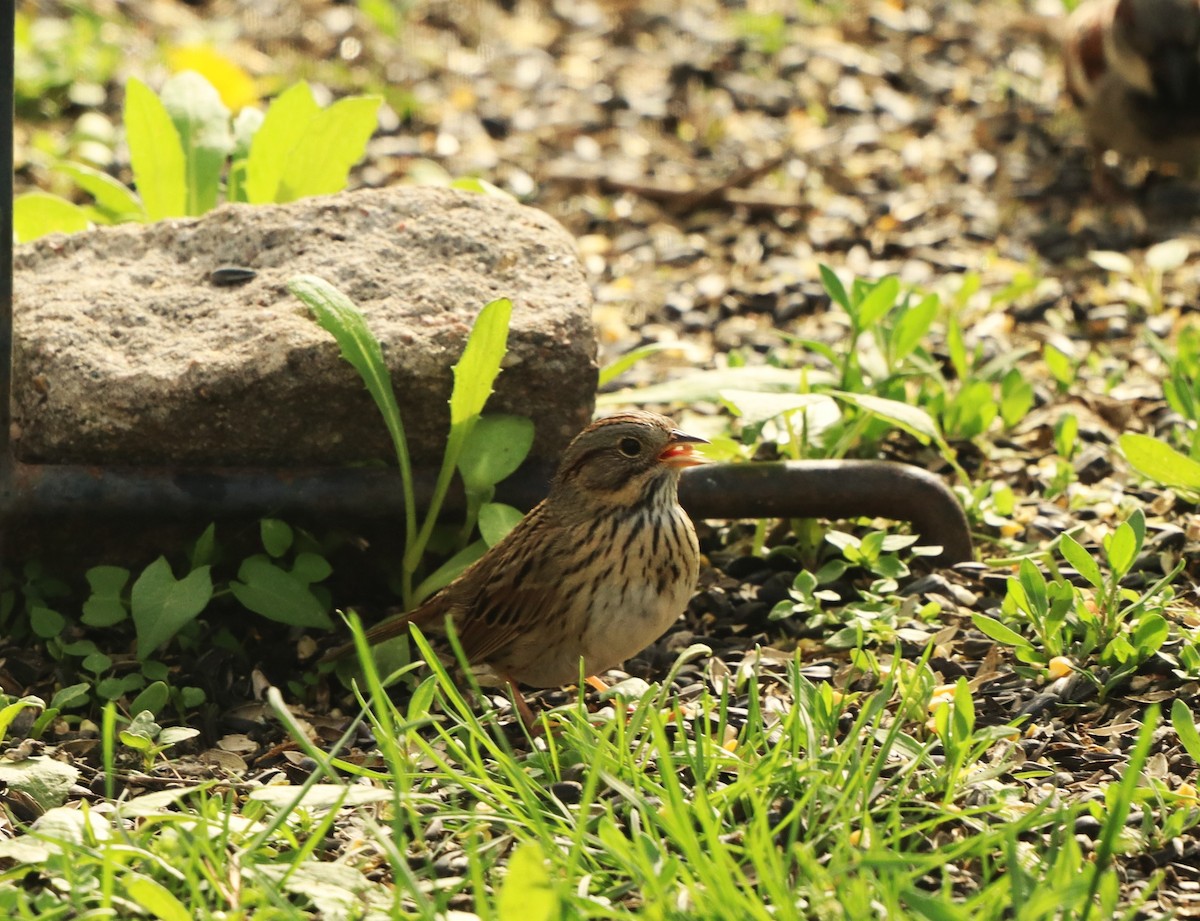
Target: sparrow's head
column 620, row 459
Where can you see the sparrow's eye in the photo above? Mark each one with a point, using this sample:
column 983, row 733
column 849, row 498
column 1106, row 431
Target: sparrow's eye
column 630, row 447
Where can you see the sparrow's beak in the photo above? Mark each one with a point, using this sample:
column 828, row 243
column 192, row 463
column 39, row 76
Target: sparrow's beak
column 678, row 452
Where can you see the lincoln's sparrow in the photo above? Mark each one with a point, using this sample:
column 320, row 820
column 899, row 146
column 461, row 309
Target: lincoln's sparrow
column 599, row 569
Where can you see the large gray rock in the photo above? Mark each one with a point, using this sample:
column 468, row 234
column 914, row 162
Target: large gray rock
column 127, row 353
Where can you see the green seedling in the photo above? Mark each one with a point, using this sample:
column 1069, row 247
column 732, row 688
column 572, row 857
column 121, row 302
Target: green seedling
column 468, row 446
column 184, row 149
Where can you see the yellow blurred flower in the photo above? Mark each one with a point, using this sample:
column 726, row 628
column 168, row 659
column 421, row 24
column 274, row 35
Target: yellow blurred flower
column 235, row 86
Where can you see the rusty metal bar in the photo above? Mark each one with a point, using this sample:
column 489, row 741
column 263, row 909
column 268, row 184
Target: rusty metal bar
column 793, row 489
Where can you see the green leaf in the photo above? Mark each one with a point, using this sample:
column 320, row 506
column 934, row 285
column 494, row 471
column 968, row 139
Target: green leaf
column 202, row 121
column 1184, row 722
column 527, row 894
column 155, row 153
column 1160, row 462
column 204, row 552
column 278, row 595
column 912, row 326
column 878, row 301
column 623, row 363
column 155, row 899
column 476, row 371
column 73, row 695
column 835, row 288
column 1149, row 635
column 1060, row 365
column 311, row 567
column 113, row 199
column 992, row 628
column 495, row 447
column 162, row 604
column 957, row 349
column 338, row 315
column 11, row 711
column 152, row 699
column 1073, row 552
column 1033, row 583
column 284, row 127
column 1121, row 547
column 496, row 519
column 36, row 214
column 277, row 536
column 334, row 141
column 912, row 419
column 1016, row 397
column 46, row 622
column 708, row 385
column 755, row 407
column 105, row 607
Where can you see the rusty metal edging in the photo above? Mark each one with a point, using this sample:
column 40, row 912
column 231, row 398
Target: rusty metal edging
column 806, row 489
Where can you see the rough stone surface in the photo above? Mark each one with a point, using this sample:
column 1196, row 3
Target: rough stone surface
column 127, row 353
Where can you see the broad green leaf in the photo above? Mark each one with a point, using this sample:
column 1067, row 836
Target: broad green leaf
column 155, row 153
column 311, row 567
column 162, row 604
column 152, row 699
column 202, row 121
column 1034, row 585
column 1073, row 552
column 277, row 594
column 623, row 363
column 527, row 893
column 277, row 536
column 476, row 371
column 912, row 419
column 383, row 14
column 707, row 385
column 835, row 288
column 73, row 695
column 47, row 781
column 1149, row 634
column 495, row 447
column 1016, row 397
column 10, row 712
column 957, row 349
column 1121, row 547
column 155, row 899
column 495, row 521
column 36, row 214
column 284, row 127
column 754, row 407
column 105, row 606
column 334, row 140
column 204, row 552
column 1184, row 722
column 113, row 198
column 912, row 326
column 997, row 631
column 1060, row 365
column 337, row 315
column 46, row 622
column 1160, row 462
column 878, row 301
